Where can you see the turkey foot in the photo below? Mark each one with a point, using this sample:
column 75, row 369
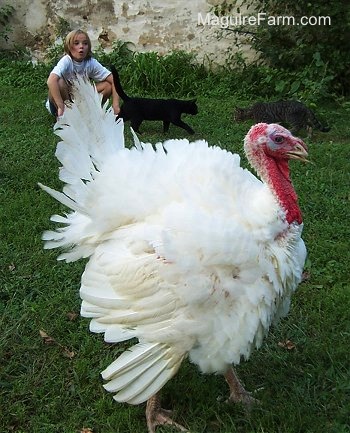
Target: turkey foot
column 237, row 392
column 156, row 415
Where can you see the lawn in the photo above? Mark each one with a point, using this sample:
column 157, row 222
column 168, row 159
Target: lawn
column 50, row 363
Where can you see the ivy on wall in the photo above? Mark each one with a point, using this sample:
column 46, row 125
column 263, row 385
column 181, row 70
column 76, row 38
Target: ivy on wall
column 6, row 11
column 315, row 41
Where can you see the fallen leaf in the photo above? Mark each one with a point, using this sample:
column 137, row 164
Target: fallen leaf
column 289, row 345
column 72, row 315
column 86, row 430
column 68, row 353
column 47, row 339
column 12, row 267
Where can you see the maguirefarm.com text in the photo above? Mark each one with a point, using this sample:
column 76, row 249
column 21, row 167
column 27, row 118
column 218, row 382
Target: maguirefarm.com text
column 261, row 18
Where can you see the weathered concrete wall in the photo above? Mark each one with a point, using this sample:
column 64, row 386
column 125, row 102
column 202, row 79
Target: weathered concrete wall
column 160, row 25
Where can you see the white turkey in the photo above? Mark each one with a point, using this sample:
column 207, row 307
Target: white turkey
column 188, row 252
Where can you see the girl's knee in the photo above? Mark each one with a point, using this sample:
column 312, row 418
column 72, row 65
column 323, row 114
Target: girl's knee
column 65, row 89
column 105, row 88
column 62, row 84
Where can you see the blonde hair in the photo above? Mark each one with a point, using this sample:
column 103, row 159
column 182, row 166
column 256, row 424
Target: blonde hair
column 69, row 41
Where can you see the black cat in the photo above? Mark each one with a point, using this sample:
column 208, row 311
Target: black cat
column 139, row 109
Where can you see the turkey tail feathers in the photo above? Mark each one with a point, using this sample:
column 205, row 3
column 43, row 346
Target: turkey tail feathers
column 141, row 372
column 62, row 198
column 90, row 133
column 90, row 136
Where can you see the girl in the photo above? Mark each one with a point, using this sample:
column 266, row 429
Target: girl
column 78, row 61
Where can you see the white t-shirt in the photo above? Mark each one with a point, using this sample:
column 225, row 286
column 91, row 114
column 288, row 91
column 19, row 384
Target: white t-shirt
column 68, row 69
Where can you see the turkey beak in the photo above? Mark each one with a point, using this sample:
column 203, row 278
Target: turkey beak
column 299, row 152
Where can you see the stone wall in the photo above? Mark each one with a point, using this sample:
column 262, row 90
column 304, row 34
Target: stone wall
column 160, row 25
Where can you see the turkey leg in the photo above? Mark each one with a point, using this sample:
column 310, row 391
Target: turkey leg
column 155, row 415
column 237, row 392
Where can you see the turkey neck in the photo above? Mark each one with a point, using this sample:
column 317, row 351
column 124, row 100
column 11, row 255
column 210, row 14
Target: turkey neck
column 276, row 174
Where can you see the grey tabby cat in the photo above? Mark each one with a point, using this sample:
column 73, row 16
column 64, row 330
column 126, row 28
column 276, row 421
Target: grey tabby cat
column 291, row 114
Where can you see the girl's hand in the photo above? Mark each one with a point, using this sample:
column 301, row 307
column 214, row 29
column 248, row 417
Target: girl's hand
column 60, row 111
column 116, row 108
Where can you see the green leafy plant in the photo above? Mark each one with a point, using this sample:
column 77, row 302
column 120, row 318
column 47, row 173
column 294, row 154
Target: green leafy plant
column 6, row 12
column 317, row 56
column 222, row 8
column 62, row 27
column 120, row 55
column 152, row 73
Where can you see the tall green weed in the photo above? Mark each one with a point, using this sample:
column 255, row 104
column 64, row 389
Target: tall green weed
column 180, row 74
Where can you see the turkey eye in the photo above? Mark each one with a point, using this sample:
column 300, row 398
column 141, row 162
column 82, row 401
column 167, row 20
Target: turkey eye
column 278, row 139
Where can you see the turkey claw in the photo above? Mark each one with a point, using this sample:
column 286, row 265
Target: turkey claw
column 157, row 416
column 245, row 398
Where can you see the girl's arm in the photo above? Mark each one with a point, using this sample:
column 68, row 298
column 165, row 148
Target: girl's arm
column 55, row 93
column 115, row 96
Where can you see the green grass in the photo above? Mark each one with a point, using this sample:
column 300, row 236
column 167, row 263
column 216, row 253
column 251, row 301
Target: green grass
column 43, row 390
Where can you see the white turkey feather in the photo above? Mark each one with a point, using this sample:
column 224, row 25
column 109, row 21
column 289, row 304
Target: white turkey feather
column 189, row 252
column 141, row 371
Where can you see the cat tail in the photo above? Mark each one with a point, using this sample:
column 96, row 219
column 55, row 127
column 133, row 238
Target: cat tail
column 117, row 84
column 316, row 123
